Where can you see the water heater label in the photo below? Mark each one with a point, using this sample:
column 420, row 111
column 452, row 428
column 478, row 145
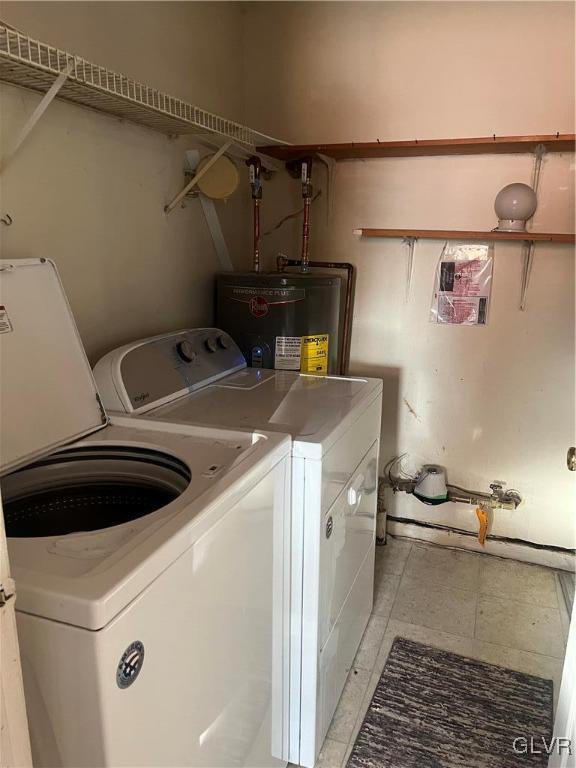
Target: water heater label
column 288, row 353
column 314, row 354
column 260, row 299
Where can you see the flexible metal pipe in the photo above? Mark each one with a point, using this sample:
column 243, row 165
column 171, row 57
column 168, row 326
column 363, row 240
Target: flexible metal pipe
column 256, row 235
column 304, row 263
column 255, row 167
column 305, row 174
column 282, row 262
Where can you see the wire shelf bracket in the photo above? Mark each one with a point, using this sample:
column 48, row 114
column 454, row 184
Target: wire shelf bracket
column 47, row 99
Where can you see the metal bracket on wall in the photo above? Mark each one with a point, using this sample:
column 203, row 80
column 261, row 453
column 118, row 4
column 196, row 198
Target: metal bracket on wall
column 528, row 260
column 330, row 165
column 214, row 141
column 411, row 243
column 47, row 99
column 529, row 247
column 210, row 215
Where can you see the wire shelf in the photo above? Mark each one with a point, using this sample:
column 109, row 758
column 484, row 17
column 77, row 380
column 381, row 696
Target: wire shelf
column 32, row 64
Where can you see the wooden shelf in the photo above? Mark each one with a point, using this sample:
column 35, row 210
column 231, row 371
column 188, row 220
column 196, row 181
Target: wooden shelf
column 558, row 142
column 456, row 234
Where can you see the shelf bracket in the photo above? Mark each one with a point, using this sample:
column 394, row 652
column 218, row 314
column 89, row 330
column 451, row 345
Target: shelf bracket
column 211, row 217
column 197, row 176
column 411, row 243
column 330, row 164
column 530, row 246
column 47, row 99
column 528, row 253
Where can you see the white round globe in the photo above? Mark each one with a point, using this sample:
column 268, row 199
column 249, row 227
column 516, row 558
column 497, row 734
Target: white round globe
column 514, row 204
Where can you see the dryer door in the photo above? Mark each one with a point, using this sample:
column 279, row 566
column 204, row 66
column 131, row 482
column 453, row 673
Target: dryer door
column 348, row 533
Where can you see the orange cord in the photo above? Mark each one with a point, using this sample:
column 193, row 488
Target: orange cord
column 482, row 516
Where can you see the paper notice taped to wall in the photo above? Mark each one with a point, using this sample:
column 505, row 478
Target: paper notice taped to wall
column 462, row 284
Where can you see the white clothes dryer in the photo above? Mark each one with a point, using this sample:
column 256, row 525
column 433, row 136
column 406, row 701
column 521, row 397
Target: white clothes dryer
column 334, row 423
column 150, row 561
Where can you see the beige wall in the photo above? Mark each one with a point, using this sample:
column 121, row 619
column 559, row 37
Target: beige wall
column 88, row 190
column 488, row 403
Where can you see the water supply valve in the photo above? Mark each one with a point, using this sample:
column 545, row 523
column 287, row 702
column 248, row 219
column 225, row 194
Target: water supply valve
column 305, row 178
column 255, row 169
column 504, row 499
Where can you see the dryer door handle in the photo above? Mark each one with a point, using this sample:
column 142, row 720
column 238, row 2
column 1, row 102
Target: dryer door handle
column 355, row 492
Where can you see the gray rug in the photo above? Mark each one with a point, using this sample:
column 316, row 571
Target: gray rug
column 434, row 709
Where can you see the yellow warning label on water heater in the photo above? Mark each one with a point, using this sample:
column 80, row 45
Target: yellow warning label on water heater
column 314, row 354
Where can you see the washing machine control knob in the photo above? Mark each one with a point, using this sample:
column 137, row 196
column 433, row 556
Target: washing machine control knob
column 211, row 345
column 222, row 342
column 185, row 351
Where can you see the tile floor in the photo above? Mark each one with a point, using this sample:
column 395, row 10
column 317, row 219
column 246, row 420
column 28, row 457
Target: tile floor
column 500, row 611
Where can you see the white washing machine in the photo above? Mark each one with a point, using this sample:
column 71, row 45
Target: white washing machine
column 335, row 427
column 151, row 561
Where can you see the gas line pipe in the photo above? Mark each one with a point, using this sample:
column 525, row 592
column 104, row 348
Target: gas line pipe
column 283, row 261
column 499, row 498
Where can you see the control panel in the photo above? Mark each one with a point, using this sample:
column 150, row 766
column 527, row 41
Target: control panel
column 257, row 355
column 154, row 371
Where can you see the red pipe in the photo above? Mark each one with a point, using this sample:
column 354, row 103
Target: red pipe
column 306, row 170
column 256, row 235
column 305, row 261
column 255, row 167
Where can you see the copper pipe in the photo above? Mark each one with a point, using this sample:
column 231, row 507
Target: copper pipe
column 255, row 167
column 305, row 261
column 305, row 172
column 256, row 235
column 282, row 262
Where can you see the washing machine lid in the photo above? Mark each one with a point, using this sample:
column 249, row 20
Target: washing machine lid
column 49, row 397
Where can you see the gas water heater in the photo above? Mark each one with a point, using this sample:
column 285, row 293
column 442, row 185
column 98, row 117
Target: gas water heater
column 283, row 320
column 288, row 320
